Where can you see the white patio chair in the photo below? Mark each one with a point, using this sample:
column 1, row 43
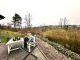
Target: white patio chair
column 14, row 45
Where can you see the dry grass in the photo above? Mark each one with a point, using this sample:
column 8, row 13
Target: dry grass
column 69, row 38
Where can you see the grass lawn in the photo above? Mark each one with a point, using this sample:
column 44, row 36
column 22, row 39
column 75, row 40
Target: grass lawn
column 4, row 34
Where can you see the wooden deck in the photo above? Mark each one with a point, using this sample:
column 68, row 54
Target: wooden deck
column 19, row 54
column 43, row 51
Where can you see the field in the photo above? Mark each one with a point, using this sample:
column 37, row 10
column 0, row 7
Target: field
column 4, row 34
column 69, row 38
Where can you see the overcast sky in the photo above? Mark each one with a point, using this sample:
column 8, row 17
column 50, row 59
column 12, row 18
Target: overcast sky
column 46, row 12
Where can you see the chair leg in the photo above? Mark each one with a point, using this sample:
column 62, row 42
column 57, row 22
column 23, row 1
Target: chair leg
column 8, row 49
column 29, row 48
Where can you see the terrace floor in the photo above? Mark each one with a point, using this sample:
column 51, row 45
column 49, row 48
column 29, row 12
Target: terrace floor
column 19, row 54
column 49, row 53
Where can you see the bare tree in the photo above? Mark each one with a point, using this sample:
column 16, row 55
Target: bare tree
column 63, row 23
column 28, row 20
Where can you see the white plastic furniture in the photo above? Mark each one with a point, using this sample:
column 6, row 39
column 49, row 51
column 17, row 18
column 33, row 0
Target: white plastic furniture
column 14, row 45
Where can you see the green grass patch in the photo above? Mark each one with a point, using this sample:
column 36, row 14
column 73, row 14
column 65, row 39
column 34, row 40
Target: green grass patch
column 4, row 34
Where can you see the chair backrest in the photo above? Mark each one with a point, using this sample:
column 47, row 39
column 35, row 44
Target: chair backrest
column 31, row 39
column 26, row 39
